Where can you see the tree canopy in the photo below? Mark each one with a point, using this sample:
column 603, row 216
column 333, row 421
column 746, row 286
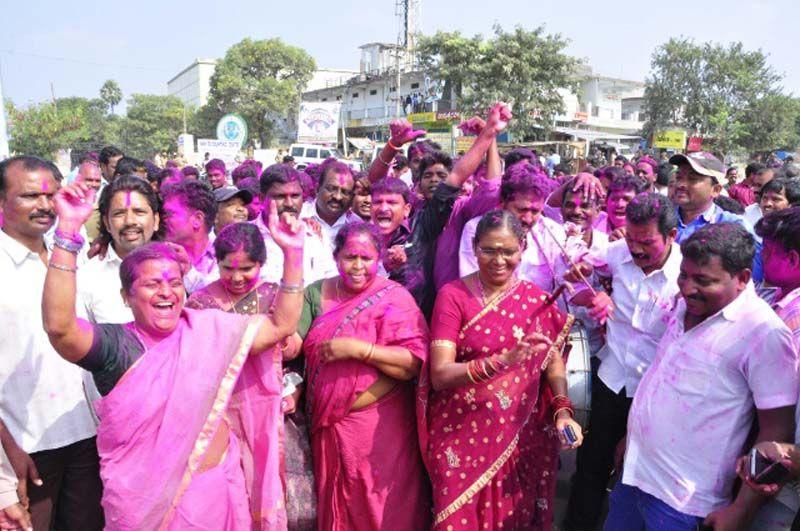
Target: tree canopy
column 261, row 80
column 728, row 95
column 524, row 68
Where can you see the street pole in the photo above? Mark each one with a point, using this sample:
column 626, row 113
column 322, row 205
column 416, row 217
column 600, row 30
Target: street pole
column 4, row 152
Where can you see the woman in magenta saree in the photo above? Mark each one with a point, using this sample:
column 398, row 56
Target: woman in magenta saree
column 181, row 444
column 365, row 343
column 486, row 422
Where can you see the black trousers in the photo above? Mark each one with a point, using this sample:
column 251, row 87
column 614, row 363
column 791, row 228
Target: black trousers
column 595, row 460
column 69, row 499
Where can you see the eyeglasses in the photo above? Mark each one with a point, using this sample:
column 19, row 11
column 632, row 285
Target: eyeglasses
column 489, row 252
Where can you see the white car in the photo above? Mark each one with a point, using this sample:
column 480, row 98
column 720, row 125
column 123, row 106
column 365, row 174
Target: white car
column 305, row 154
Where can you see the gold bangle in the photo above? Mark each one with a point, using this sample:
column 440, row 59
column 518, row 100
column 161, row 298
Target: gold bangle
column 370, row 352
column 557, row 411
column 469, row 372
column 60, row 267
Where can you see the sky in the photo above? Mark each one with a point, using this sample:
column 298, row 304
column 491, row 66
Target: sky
column 71, row 48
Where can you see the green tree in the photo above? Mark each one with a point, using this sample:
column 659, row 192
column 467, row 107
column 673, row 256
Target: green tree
column 716, row 92
column 111, row 94
column 152, row 125
column 522, row 67
column 43, row 129
column 260, row 80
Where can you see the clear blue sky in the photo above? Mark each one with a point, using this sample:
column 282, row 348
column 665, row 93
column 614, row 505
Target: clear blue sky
column 143, row 44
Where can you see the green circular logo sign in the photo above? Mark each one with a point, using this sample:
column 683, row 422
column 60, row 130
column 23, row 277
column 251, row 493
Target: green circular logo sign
column 232, row 128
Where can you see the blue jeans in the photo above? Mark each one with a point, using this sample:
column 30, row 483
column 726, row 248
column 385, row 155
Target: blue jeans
column 632, row 509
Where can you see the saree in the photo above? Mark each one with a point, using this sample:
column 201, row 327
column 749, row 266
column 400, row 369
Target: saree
column 367, row 463
column 296, row 466
column 491, row 448
column 157, row 423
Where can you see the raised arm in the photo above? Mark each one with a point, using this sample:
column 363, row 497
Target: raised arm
column 288, row 232
column 496, row 122
column 70, row 336
column 401, row 132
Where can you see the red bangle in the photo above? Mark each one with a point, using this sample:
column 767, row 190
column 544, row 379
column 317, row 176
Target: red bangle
column 389, row 143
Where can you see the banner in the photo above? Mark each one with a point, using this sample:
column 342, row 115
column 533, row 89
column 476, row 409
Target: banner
column 670, row 139
column 318, row 122
column 227, row 150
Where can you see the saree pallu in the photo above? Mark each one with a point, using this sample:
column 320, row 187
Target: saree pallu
column 297, row 469
column 158, row 422
column 490, row 447
column 367, row 463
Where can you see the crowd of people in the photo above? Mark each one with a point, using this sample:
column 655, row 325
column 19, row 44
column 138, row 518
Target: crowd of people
column 266, row 348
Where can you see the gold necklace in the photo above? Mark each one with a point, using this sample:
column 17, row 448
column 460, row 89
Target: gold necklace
column 500, row 292
column 233, row 305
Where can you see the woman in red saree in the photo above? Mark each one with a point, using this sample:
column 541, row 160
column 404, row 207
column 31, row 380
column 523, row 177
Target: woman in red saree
column 181, row 445
column 487, row 430
column 366, row 341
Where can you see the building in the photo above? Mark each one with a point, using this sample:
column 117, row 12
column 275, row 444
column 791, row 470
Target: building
column 605, row 104
column 193, row 83
column 371, row 99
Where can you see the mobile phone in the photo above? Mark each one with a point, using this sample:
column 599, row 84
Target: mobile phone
column 569, row 435
column 763, row 471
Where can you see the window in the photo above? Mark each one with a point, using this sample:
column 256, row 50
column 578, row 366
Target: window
column 312, row 153
column 373, row 92
column 414, row 85
column 392, row 89
column 297, row 152
column 355, row 95
column 324, row 99
column 324, row 154
column 595, row 111
column 338, row 98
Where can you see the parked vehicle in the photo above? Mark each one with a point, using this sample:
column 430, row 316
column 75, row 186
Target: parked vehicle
column 305, row 154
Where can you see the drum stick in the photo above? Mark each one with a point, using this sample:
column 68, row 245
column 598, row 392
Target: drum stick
column 570, row 261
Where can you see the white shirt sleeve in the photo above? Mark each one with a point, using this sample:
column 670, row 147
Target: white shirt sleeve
column 772, row 370
column 467, row 262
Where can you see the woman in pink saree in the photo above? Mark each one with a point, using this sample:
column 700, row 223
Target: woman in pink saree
column 366, row 341
column 181, row 445
column 240, row 253
column 490, row 425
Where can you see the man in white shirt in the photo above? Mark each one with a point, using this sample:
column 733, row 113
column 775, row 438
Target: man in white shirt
column 331, row 208
column 643, row 270
column 725, row 359
column 281, row 183
column 43, row 404
column 129, row 216
column 188, row 215
column 523, row 193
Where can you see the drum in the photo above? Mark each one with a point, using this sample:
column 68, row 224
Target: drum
column 579, row 374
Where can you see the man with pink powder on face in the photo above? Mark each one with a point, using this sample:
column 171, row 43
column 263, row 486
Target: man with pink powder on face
column 188, row 214
column 781, row 255
column 724, row 361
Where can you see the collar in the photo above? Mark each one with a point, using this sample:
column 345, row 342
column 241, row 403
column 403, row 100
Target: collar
column 787, row 300
column 309, row 210
column 708, row 216
column 739, row 306
column 671, row 268
column 15, row 250
column 400, row 235
column 111, row 256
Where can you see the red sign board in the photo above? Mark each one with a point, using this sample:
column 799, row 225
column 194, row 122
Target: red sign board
column 695, row 143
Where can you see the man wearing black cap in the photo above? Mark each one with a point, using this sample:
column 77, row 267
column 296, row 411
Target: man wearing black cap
column 697, row 183
column 231, row 206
